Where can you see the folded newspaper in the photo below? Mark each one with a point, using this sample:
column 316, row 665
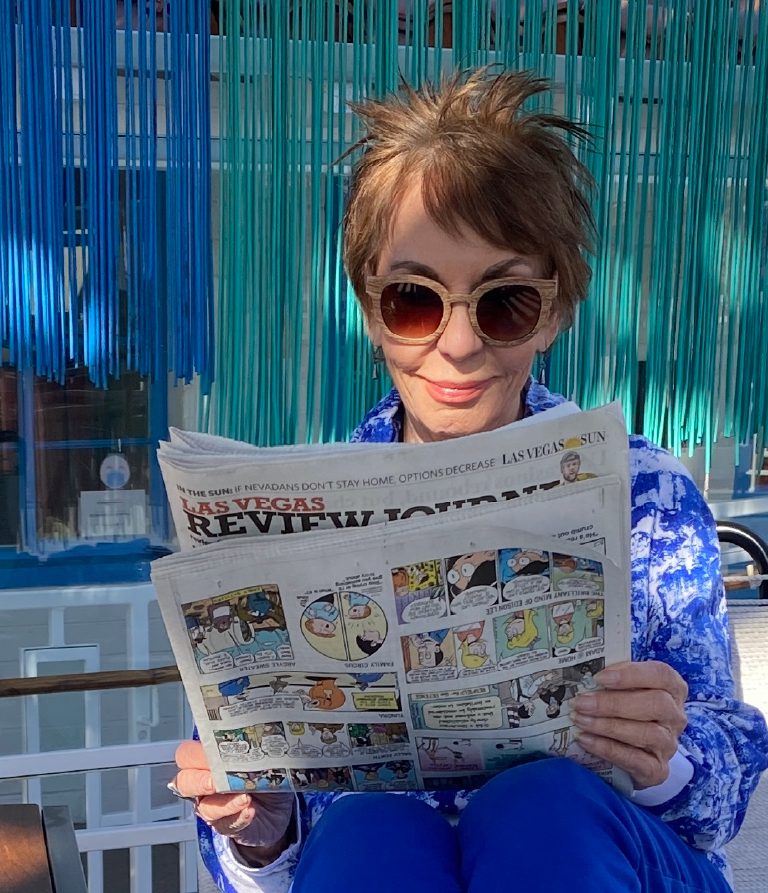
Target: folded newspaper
column 428, row 620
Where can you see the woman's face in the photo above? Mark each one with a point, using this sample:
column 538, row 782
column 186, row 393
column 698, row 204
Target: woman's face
column 457, row 384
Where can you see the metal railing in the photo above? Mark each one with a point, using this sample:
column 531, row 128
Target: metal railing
column 144, row 817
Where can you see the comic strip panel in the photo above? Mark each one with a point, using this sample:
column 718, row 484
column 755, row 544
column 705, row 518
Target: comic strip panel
column 320, row 738
column 344, row 626
column 375, row 740
column 576, row 576
column 472, row 580
column 337, row 778
column 419, row 591
column 521, row 637
column 457, row 782
column 486, row 755
column 472, row 755
column 429, row 656
column 252, row 743
column 511, row 704
column 479, row 708
column 539, row 697
column 576, row 626
column 244, row 695
column 562, row 743
column 449, row 755
column 378, row 739
column 583, row 674
column 238, row 629
column 460, row 756
column 523, row 572
column 268, row 780
column 544, row 694
column 392, row 775
column 475, row 651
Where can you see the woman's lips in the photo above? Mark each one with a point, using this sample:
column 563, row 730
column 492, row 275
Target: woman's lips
column 453, row 393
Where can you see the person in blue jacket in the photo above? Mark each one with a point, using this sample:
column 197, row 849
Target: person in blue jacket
column 464, row 238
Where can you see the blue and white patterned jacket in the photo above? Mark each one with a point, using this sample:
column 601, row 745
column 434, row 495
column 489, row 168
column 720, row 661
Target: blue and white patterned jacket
column 678, row 616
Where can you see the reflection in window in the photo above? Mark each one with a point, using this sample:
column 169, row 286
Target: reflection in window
column 9, row 460
column 90, row 472
column 77, row 427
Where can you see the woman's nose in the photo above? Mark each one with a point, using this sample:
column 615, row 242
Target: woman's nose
column 459, row 340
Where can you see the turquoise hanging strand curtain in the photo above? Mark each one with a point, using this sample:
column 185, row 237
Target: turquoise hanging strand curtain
column 675, row 95
column 104, row 114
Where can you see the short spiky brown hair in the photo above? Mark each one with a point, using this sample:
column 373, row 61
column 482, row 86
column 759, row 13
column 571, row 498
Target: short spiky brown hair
column 484, row 161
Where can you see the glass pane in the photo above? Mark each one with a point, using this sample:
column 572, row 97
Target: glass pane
column 78, row 410
column 9, row 459
column 62, row 720
column 119, row 629
column 164, row 868
column 94, row 463
column 73, row 501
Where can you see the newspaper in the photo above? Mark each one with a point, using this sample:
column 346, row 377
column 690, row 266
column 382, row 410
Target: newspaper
column 428, row 620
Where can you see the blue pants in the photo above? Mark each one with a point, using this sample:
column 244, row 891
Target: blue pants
column 542, row 827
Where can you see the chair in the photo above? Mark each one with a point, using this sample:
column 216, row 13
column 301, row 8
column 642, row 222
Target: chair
column 748, row 852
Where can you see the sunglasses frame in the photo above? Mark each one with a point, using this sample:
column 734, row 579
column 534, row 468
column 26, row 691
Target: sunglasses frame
column 375, row 285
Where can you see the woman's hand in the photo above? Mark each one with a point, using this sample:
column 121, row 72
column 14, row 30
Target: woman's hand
column 636, row 720
column 258, row 823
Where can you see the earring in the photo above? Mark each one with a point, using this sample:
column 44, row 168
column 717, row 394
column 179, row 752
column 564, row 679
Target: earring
column 378, row 359
column 541, row 377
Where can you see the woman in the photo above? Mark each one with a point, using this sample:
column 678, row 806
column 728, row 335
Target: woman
column 463, row 239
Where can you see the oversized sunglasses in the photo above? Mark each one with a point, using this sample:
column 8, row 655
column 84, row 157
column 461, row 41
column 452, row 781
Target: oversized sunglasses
column 502, row 312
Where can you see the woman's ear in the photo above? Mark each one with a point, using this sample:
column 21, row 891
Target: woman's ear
column 372, row 330
column 549, row 332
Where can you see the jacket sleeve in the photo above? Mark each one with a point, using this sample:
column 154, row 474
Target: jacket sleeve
column 232, row 875
column 687, row 627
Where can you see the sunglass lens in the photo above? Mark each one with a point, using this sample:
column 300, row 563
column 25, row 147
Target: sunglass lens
column 411, row 310
column 509, row 312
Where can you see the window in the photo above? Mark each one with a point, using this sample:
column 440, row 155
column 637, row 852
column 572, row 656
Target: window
column 77, row 462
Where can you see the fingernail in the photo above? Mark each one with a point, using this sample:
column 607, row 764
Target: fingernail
column 242, row 802
column 580, row 719
column 586, row 740
column 607, row 677
column 585, row 703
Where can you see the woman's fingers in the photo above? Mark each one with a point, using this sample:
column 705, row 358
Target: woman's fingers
column 648, row 736
column 636, row 719
column 193, row 779
column 193, row 783
column 190, row 755
column 224, row 807
column 641, row 706
column 228, row 814
column 645, row 769
column 648, row 691
column 648, row 674
column 235, row 824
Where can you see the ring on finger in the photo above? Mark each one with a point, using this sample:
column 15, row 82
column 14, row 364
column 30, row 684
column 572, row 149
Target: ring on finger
column 177, row 793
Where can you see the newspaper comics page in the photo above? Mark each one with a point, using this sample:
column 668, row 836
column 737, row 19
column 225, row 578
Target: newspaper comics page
column 424, row 654
column 229, row 495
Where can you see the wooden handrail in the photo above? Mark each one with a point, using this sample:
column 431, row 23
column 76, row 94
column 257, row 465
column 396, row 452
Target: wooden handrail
column 45, row 685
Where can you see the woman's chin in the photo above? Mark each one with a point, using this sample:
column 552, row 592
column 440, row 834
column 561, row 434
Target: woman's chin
column 446, row 423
